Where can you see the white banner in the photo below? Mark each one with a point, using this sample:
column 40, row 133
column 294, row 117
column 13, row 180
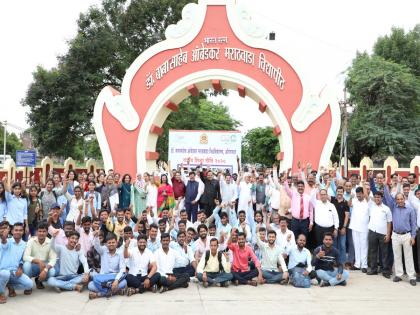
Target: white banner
column 214, row 149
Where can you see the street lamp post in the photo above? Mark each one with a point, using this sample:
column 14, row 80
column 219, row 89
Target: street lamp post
column 345, row 107
column 4, row 141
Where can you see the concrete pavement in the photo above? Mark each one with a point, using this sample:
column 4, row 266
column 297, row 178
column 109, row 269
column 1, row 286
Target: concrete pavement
column 363, row 295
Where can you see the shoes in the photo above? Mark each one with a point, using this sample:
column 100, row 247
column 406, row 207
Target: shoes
column 343, row 283
column 253, row 283
column 364, row 270
column 154, row 288
column 396, row 279
column 354, row 268
column 186, row 284
column 325, row 284
column 372, row 272
column 27, row 292
column 284, row 282
column 205, row 284
column 163, row 289
column 235, row 282
column 418, row 278
column 413, row 282
column 386, row 275
column 58, row 290
column 39, row 284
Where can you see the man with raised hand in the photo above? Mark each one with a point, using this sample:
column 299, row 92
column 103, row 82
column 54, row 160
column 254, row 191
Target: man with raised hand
column 242, row 253
column 142, row 267
column 39, row 258
column 214, row 266
column 11, row 254
column 70, row 259
column 326, row 257
column 271, row 258
column 110, row 280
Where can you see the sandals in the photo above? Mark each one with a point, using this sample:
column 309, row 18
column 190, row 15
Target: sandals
column 93, row 295
column 131, row 291
column 12, row 292
column 3, row 299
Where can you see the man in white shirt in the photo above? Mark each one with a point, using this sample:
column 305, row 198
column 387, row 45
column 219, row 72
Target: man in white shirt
column 359, row 225
column 165, row 259
column 326, row 217
column 228, row 191
column 142, row 273
column 185, row 263
column 379, row 235
column 285, row 238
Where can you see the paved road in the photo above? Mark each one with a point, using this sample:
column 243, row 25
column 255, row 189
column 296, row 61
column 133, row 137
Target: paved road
column 363, row 295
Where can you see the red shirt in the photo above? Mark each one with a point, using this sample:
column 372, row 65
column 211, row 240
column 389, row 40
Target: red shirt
column 241, row 256
column 178, row 187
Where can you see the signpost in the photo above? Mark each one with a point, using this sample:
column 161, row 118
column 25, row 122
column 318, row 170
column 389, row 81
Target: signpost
column 214, row 149
column 25, row 158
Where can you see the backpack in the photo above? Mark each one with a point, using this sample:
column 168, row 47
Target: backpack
column 219, row 258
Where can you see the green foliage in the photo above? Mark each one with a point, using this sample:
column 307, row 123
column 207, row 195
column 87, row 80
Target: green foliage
column 195, row 113
column 259, row 145
column 13, row 143
column 386, row 120
column 109, row 38
column 401, row 47
column 385, row 89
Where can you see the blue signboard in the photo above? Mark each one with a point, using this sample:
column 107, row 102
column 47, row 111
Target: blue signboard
column 25, row 158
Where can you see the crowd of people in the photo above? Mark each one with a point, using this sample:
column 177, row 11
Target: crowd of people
column 158, row 232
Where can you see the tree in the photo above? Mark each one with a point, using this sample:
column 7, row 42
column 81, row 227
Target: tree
column 400, row 47
column 386, row 120
column 13, row 143
column 108, row 40
column 196, row 113
column 259, row 145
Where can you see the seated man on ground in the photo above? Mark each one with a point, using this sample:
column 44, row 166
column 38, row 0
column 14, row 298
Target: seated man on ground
column 142, row 267
column 214, row 266
column 271, row 258
column 70, row 259
column 110, row 280
column 242, row 253
column 300, row 266
column 165, row 259
column 11, row 254
column 39, row 258
column 185, row 263
column 326, row 257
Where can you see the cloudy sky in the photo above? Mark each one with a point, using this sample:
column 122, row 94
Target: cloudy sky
column 323, row 35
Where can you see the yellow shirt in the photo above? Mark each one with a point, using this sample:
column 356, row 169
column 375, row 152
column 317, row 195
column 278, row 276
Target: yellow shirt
column 212, row 264
column 44, row 252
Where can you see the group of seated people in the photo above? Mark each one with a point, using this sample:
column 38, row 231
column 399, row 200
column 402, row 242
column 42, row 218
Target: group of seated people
column 250, row 235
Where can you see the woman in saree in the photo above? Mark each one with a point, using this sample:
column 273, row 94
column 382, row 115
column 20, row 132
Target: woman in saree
column 139, row 195
column 165, row 196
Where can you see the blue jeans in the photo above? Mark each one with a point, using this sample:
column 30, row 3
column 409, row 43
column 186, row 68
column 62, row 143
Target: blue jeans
column 18, row 283
column 96, row 286
column 341, row 246
column 32, row 270
column 331, row 276
column 299, row 280
column 215, row 277
column 67, row 282
column 272, row 276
